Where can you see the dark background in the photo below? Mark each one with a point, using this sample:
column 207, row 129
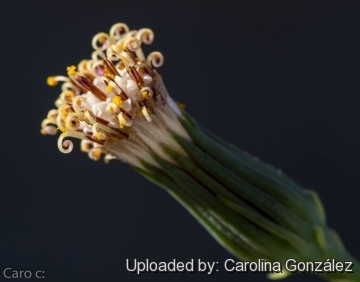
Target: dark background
column 278, row 78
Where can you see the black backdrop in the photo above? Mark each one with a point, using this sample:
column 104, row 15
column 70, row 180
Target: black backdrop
column 278, row 78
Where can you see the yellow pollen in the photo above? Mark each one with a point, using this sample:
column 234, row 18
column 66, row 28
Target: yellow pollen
column 85, row 147
column 71, row 70
column 117, row 101
column 69, row 95
column 121, row 124
column 84, row 117
column 145, row 94
column 107, row 73
column 96, row 155
column 99, row 136
column 109, row 88
column 121, row 65
column 51, row 81
column 42, row 132
column 102, row 40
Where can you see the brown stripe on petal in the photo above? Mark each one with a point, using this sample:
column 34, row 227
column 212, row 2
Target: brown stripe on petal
column 144, row 68
column 110, row 66
column 84, row 81
column 123, row 96
column 101, row 142
column 77, row 84
column 106, row 123
column 126, row 113
column 135, row 76
column 121, row 132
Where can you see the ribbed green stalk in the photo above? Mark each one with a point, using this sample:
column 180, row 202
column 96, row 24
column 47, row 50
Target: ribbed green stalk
column 249, row 207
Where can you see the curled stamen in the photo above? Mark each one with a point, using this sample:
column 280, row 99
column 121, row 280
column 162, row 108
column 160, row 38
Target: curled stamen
column 127, row 59
column 60, row 121
column 132, row 44
column 97, row 55
column 65, row 109
column 145, row 35
column 119, row 30
column 97, row 68
column 146, row 92
column 86, row 145
column 52, row 114
column 79, row 105
column 67, row 97
column 50, row 130
column 89, row 117
column 47, row 122
column 58, row 102
column 72, row 122
column 113, row 53
column 48, row 126
column 129, row 34
column 95, row 154
column 83, row 68
column 156, row 59
column 68, row 86
column 101, row 41
column 67, row 146
column 108, row 158
column 98, row 134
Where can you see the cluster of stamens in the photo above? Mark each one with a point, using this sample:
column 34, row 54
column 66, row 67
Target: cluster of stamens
column 116, row 103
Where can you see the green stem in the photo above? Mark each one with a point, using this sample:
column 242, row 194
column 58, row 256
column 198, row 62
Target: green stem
column 250, row 208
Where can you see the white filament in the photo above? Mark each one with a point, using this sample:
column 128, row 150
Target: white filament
column 67, row 146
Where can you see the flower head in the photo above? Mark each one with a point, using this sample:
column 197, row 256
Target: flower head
column 115, row 102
